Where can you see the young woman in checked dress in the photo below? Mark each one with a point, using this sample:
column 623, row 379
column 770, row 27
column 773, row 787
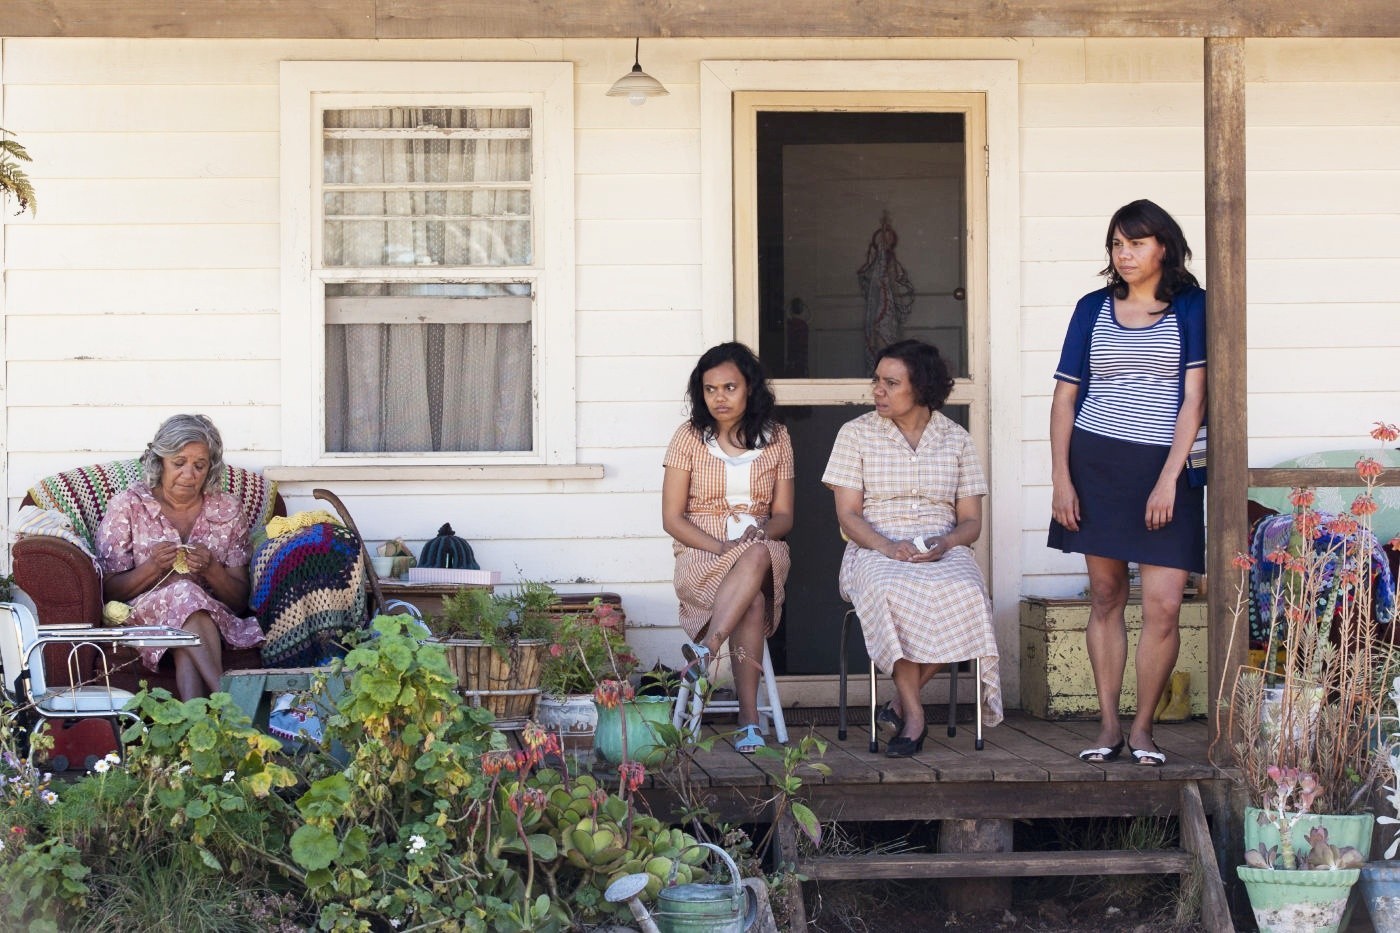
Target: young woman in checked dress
column 727, row 501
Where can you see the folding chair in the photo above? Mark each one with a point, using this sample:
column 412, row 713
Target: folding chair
column 952, row 669
column 691, row 705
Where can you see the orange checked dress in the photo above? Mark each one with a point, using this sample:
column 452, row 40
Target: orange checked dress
column 727, row 494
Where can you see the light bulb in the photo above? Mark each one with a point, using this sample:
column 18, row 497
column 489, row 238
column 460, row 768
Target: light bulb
column 636, row 98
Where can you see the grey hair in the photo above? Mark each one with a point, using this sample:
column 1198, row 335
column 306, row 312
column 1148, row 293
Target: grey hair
column 172, row 436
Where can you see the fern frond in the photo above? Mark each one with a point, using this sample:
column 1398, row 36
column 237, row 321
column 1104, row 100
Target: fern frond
column 13, row 181
column 12, row 147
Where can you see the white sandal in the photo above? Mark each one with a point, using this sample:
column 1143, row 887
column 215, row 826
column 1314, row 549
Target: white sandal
column 749, row 740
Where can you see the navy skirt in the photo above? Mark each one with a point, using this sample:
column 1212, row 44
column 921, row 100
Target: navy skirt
column 1113, row 480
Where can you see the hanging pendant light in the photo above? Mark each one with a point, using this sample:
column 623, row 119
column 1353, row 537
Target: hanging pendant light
column 637, row 85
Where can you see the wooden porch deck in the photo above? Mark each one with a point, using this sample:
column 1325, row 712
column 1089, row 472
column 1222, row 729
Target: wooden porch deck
column 1029, row 769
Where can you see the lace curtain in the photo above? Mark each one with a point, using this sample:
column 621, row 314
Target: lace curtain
column 427, row 365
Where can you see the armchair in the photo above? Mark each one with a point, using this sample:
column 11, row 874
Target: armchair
column 63, row 581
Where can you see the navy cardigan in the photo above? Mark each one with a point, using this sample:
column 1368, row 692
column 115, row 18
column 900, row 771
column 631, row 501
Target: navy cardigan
column 1188, row 309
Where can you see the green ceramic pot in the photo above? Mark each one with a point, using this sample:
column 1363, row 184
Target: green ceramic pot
column 1291, row 901
column 1352, row 829
column 642, row 716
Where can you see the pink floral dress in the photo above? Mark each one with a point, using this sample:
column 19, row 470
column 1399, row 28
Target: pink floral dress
column 131, row 528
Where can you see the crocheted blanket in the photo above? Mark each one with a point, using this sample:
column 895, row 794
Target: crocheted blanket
column 83, row 493
column 308, row 588
column 1336, row 552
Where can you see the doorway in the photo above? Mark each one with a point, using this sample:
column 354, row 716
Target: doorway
column 856, row 220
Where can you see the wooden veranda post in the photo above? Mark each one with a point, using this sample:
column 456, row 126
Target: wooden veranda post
column 1226, row 518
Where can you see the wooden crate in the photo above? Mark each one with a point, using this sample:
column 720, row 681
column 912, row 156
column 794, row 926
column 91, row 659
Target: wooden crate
column 1056, row 679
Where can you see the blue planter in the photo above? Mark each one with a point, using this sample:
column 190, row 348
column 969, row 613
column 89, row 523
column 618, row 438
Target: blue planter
column 1380, row 888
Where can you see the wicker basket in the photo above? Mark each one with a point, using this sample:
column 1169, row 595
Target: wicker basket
column 507, row 682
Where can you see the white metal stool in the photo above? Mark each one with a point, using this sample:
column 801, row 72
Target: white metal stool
column 690, row 705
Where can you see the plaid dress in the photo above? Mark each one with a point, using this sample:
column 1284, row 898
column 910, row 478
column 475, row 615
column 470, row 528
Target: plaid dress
column 928, row 613
column 727, row 494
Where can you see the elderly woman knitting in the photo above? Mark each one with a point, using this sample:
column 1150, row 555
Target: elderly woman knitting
column 176, row 549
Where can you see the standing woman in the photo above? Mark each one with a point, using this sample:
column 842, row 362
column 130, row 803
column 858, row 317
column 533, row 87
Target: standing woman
column 1130, row 401
column 727, row 501
column 908, row 487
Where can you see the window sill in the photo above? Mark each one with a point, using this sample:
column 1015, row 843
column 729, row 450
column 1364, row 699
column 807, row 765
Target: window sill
column 379, row 473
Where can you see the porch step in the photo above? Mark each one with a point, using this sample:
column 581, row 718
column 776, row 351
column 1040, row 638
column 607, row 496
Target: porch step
column 997, row 864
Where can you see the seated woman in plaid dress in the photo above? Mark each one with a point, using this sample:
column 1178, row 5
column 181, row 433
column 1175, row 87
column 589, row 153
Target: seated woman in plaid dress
column 909, row 490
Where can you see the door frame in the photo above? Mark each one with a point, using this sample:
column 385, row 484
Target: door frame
column 998, row 82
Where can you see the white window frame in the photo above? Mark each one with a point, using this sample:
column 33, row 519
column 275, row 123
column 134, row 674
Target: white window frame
column 309, row 88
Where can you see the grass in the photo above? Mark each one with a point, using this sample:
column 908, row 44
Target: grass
column 151, row 892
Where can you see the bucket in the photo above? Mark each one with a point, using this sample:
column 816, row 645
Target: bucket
column 705, row 908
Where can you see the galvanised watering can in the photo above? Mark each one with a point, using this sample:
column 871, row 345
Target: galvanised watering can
column 705, row 908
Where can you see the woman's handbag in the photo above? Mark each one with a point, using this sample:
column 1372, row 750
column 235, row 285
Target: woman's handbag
column 1196, row 460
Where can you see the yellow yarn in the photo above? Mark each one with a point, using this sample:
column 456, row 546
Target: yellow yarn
column 285, row 525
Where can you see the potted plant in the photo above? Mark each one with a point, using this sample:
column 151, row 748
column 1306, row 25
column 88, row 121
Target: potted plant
column 495, row 645
column 1287, row 892
column 1380, row 880
column 1313, row 704
column 586, row 648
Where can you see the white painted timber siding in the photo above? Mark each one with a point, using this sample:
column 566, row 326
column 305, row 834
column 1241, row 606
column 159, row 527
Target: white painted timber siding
column 148, row 283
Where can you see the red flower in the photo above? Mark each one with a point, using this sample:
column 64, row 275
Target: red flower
column 493, row 763
column 1385, row 432
column 1242, row 561
column 632, row 774
column 527, row 799
column 610, row 694
column 1302, row 497
column 1343, row 525
column 1368, row 468
column 1364, row 504
column 1277, row 556
column 1309, row 524
column 555, row 650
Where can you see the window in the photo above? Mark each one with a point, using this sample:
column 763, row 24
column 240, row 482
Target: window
column 428, row 263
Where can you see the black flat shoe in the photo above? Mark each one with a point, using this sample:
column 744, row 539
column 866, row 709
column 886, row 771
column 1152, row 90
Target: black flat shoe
column 905, row 747
column 889, row 720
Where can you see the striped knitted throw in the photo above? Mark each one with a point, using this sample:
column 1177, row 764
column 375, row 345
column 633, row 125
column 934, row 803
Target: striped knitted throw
column 308, row 588
column 83, row 493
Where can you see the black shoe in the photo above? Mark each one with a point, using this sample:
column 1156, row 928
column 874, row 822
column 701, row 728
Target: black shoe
column 889, row 720
column 904, row 747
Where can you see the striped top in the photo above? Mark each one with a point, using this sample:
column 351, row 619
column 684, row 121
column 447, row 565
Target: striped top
column 1134, row 390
